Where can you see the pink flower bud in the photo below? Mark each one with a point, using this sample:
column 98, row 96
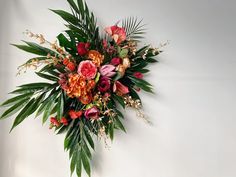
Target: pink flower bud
column 107, row 70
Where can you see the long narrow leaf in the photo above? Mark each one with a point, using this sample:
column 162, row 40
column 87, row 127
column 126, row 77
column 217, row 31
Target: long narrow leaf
column 25, row 112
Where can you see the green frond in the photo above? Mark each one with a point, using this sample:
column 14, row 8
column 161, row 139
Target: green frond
column 134, row 28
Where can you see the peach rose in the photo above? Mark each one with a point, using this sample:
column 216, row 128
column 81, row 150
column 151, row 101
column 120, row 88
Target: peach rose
column 87, row 69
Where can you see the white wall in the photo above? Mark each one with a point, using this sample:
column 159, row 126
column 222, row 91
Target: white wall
column 193, row 111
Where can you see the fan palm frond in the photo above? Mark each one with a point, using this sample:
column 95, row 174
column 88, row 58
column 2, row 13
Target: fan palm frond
column 134, row 28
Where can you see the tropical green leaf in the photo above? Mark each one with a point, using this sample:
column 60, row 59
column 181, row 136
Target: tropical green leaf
column 133, row 27
column 54, row 73
column 46, row 76
column 45, row 102
column 119, row 113
column 86, row 150
column 35, row 59
column 85, row 162
column 72, row 37
column 62, row 129
column 64, row 42
column 151, row 60
column 24, row 113
column 142, row 84
column 60, row 106
column 111, row 130
column 89, row 138
column 134, row 94
column 30, row 49
column 119, row 124
column 73, row 162
column 48, row 109
column 66, row 16
column 79, row 164
column 119, row 100
column 74, row 6
column 38, row 100
column 140, row 65
column 81, row 7
column 13, row 109
column 44, row 51
column 16, row 99
column 142, row 50
column 35, row 85
column 25, row 90
column 141, row 81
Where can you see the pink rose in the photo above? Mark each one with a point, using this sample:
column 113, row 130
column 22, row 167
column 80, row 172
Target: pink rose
column 138, row 75
column 82, row 48
column 92, row 113
column 104, row 84
column 117, row 33
column 116, row 61
column 107, row 70
column 120, row 88
column 87, row 69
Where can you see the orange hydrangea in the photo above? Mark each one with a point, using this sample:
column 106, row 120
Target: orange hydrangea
column 96, row 57
column 80, row 88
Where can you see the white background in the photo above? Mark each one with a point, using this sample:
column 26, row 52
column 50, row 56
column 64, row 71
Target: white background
column 193, row 111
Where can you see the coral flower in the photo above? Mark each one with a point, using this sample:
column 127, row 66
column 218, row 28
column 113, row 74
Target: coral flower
column 117, row 33
column 71, row 66
column 75, row 114
column 92, row 113
column 87, row 69
column 65, row 61
column 64, row 121
column 96, row 57
column 54, row 121
column 119, row 88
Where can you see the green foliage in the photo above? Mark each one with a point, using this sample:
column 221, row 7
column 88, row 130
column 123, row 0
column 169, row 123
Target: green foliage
column 60, row 106
column 35, row 49
column 16, row 99
column 119, row 99
column 141, row 84
column 76, row 142
column 81, row 22
column 46, row 76
column 26, row 102
column 134, row 28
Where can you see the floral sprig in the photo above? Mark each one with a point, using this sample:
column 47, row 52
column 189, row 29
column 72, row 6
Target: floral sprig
column 88, row 77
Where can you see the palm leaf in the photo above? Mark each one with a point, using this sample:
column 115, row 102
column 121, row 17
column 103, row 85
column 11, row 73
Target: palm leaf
column 133, row 27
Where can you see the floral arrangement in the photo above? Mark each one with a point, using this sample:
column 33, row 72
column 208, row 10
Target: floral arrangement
column 90, row 74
